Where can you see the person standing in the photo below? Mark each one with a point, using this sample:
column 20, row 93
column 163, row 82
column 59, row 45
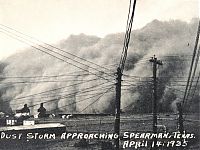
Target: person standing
column 42, row 111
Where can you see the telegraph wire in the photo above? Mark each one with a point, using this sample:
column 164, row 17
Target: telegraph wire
column 70, row 74
column 127, row 36
column 192, row 63
column 45, row 76
column 135, row 76
column 81, row 91
column 195, row 86
column 57, row 57
column 194, row 71
column 44, row 81
column 79, row 101
column 173, row 77
column 62, row 97
column 169, row 87
column 51, row 90
column 193, row 94
column 13, row 84
column 174, row 81
column 31, row 82
column 96, row 99
column 54, row 47
column 50, row 50
column 179, row 85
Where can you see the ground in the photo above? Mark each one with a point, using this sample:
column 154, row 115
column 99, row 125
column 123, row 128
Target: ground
column 105, row 124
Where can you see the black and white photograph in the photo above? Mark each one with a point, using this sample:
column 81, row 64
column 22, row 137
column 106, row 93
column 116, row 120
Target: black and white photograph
column 99, row 75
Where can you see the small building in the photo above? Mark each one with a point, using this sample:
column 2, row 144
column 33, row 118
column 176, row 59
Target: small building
column 11, row 121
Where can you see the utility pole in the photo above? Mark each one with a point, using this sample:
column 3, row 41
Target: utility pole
column 155, row 63
column 180, row 118
column 118, row 107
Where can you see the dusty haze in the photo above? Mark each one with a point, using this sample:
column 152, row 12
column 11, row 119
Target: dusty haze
column 164, row 39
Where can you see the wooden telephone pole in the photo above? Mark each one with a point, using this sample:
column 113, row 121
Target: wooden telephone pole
column 118, row 107
column 120, row 71
column 155, row 63
column 180, row 118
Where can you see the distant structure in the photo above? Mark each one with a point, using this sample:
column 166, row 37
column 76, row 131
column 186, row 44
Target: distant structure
column 25, row 109
column 42, row 111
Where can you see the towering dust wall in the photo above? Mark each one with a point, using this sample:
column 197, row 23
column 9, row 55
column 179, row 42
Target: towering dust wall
column 67, row 85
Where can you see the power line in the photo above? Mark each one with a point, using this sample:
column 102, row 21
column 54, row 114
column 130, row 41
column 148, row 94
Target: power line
column 172, row 77
column 59, row 98
column 193, row 94
column 195, row 86
column 78, row 101
column 96, row 99
column 62, row 97
column 174, row 81
column 178, row 55
column 51, row 51
column 192, row 63
column 174, row 89
column 127, row 35
column 81, row 91
column 179, row 85
column 120, row 70
column 184, row 60
column 53, row 47
column 194, row 71
column 51, row 90
column 31, row 82
column 57, row 57
column 70, row 74
column 135, row 76
column 81, row 94
column 44, row 81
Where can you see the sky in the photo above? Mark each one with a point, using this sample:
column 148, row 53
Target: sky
column 53, row 20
